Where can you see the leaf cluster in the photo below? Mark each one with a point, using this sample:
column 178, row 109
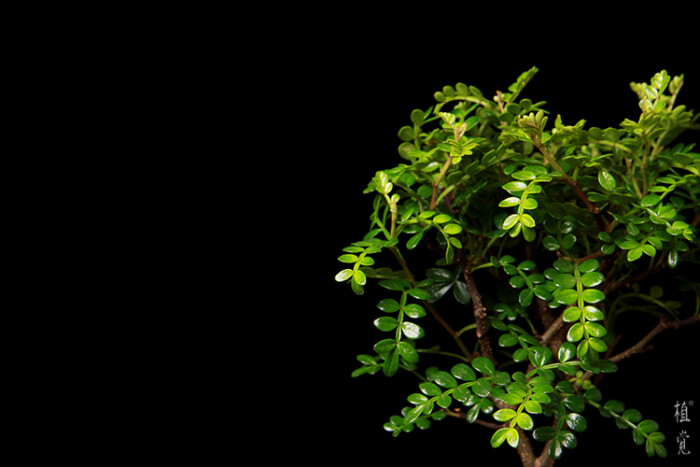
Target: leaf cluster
column 561, row 219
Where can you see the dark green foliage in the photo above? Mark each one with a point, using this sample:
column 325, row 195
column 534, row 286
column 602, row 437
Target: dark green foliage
column 564, row 222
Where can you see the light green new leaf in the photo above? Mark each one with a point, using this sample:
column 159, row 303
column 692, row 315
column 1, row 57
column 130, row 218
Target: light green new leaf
column 504, row 415
column 525, row 422
column 509, row 202
column 606, row 180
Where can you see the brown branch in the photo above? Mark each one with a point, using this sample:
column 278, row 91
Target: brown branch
column 457, row 413
column 525, row 451
column 430, row 307
column 664, row 323
column 448, row 328
column 544, row 460
column 552, row 330
column 592, row 208
column 541, row 306
column 479, row 314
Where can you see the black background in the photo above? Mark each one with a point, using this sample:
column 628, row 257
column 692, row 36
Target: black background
column 357, row 84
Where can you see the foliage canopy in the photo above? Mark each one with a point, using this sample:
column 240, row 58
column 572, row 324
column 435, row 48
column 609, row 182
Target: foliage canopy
column 542, row 232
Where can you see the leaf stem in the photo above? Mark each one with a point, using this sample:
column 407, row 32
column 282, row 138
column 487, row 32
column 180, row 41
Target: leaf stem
column 429, row 306
column 443, row 171
column 595, row 210
column 664, row 323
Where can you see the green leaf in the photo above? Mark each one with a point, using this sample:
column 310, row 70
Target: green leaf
column 575, row 333
column 595, row 329
column 632, row 415
column 591, row 279
column 461, row 293
column 406, row 133
column 648, row 426
column 649, row 250
column 417, row 116
column 567, row 439
column 444, row 401
column 597, row 344
column 582, row 349
column 525, row 297
column 566, row 296
column 634, row 254
column 412, row 414
column 614, row 406
column 508, row 340
column 420, row 294
column 386, row 323
column 445, row 379
column 452, row 229
column 430, row 389
column 408, row 352
column 588, row 265
column 566, row 352
column 540, row 356
column 510, row 221
column 592, row 313
column 415, row 311
column 514, row 187
column 533, row 407
column 348, row 258
column 441, row 218
column 414, row 240
column 511, row 399
column 417, row 399
column 463, row 372
column 504, row 415
column 499, row 437
column 564, row 266
column 606, row 180
column 525, row 422
column 572, row 314
column 592, row 295
column 397, row 285
column 391, row 364
column 359, row 277
column 550, row 243
column 344, row 275
column 527, row 220
column 482, row 387
column 389, row 305
column 512, row 437
column 566, row 281
column 412, row 330
column 509, row 202
column 650, row 200
column 530, row 203
column 484, row 365
column 385, row 346
column 544, row 433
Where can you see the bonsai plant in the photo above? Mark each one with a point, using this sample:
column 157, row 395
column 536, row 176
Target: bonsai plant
column 540, row 234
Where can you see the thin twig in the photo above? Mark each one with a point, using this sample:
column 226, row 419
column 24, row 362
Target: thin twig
column 664, row 323
column 438, row 317
column 595, row 210
column 457, row 413
column 608, row 288
column 552, row 330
